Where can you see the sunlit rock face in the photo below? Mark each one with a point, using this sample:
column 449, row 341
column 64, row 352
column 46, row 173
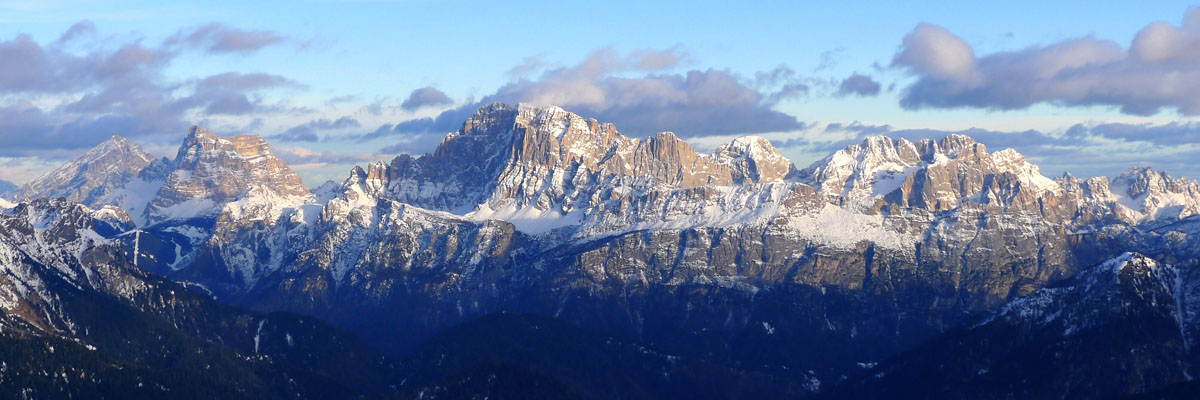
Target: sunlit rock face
column 211, row 171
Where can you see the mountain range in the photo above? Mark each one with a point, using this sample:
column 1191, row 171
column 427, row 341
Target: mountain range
column 890, row 268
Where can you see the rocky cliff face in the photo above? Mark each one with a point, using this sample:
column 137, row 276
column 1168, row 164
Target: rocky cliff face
column 930, row 175
column 527, row 163
column 211, row 171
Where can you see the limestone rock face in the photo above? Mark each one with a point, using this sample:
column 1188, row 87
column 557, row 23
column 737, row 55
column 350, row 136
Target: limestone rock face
column 1151, row 195
column 90, row 178
column 931, row 175
column 548, row 159
column 212, row 170
column 754, row 159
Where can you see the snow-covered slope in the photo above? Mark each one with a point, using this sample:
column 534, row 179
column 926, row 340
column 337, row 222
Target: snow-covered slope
column 62, row 238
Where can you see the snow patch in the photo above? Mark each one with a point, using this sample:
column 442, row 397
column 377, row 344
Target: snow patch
column 528, row 219
column 187, row 209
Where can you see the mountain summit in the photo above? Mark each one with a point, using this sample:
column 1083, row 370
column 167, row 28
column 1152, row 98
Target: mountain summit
column 211, row 171
column 90, row 178
column 523, row 163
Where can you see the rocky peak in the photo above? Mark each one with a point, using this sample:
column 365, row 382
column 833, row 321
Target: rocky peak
column 1131, row 282
column 952, row 145
column 491, row 118
column 211, row 170
column 856, row 168
column 669, row 160
column 1156, row 195
column 1132, row 263
column 547, row 155
column 1144, row 280
column 754, row 159
column 1140, row 181
column 90, row 177
column 201, row 144
column 934, row 174
column 371, row 180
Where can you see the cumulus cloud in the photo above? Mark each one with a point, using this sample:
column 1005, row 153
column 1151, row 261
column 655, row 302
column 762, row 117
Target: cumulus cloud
column 425, row 97
column 227, row 93
column 788, row 92
column 935, row 52
column 219, row 38
column 858, row 85
column 1160, row 69
column 696, row 102
column 71, row 97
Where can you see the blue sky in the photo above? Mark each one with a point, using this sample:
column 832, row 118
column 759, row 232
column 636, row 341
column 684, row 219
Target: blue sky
column 301, row 66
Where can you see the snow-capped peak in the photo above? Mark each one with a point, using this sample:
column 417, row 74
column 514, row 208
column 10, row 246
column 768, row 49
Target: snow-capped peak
column 856, row 170
column 1131, row 261
column 1156, row 195
column 753, row 159
column 1012, row 161
column 953, row 170
column 90, row 177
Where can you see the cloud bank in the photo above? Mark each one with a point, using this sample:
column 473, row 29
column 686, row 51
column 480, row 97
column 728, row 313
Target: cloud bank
column 633, row 92
column 74, row 93
column 1159, row 70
